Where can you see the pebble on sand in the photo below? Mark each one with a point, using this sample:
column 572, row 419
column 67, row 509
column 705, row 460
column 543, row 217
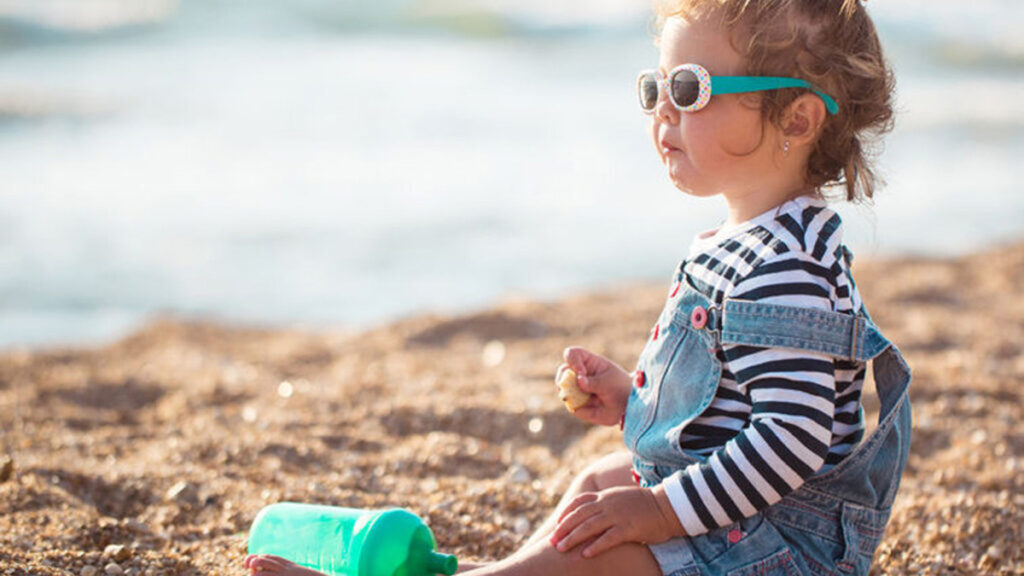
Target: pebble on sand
column 117, row 552
column 6, row 468
column 518, row 474
column 183, row 493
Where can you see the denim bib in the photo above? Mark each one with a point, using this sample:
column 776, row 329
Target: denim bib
column 831, row 524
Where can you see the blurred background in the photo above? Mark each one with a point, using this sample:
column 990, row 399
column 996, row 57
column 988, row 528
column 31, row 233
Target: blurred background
column 323, row 163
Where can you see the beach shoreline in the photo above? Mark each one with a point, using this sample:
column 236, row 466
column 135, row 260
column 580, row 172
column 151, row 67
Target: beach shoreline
column 155, row 452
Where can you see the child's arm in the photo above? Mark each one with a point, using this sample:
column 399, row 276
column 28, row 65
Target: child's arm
column 788, row 437
column 617, row 516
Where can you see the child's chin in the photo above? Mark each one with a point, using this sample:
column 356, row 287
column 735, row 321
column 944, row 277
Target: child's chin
column 691, row 190
column 683, row 185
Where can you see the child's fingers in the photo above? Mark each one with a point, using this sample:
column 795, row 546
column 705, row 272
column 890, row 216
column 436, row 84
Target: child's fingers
column 611, row 538
column 573, row 519
column 558, row 373
column 585, row 498
column 592, row 383
column 580, row 521
column 593, row 526
column 576, row 358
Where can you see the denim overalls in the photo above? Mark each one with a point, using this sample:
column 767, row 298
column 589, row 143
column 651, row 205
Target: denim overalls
column 831, row 524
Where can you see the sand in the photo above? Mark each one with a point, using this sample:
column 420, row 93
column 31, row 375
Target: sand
column 152, row 455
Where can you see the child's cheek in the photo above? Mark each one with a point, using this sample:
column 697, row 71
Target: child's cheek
column 652, row 131
column 739, row 132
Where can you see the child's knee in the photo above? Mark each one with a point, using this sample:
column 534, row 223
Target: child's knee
column 589, row 479
column 611, row 471
column 607, row 472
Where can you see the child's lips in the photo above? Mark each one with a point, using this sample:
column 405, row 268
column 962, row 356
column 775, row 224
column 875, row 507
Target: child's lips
column 667, row 149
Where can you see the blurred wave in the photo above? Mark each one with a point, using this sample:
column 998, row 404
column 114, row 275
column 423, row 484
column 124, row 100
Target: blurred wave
column 34, row 21
column 26, row 22
column 991, row 54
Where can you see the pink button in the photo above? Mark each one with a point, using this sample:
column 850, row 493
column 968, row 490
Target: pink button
column 641, row 379
column 698, row 317
column 735, row 536
column 656, row 328
column 675, row 290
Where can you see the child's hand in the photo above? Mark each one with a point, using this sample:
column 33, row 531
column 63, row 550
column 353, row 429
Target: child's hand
column 616, row 516
column 607, row 381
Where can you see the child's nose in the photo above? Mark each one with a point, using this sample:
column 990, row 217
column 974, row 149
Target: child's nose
column 664, row 110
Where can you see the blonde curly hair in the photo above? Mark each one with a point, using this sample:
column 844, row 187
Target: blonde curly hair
column 833, row 45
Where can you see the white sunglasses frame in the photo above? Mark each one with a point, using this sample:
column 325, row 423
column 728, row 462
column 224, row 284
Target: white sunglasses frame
column 708, row 85
column 703, row 91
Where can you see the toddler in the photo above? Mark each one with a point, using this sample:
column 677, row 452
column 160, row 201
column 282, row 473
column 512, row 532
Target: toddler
column 743, row 418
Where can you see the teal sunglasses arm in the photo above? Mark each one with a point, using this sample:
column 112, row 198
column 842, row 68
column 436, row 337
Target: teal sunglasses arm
column 741, row 84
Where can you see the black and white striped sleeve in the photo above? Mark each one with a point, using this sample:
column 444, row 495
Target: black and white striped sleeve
column 792, row 394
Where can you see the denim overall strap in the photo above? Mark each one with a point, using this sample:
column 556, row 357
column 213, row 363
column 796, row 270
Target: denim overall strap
column 838, row 517
column 870, row 475
column 839, row 335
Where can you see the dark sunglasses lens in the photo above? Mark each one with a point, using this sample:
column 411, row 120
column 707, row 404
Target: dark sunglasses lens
column 685, row 87
column 647, row 87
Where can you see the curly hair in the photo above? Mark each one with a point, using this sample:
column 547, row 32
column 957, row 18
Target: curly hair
column 833, row 45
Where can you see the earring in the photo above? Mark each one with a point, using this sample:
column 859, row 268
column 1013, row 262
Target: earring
column 785, row 148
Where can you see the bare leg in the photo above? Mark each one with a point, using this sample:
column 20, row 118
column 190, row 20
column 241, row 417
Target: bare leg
column 608, row 472
column 541, row 559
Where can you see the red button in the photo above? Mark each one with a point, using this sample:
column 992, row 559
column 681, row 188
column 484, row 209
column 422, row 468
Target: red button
column 636, row 477
column 656, row 328
column 622, row 422
column 675, row 290
column 735, row 536
column 698, row 317
column 641, row 379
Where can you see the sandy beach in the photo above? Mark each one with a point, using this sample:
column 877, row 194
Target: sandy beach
column 152, row 455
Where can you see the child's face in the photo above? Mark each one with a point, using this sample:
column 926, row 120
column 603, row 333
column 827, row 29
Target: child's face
column 718, row 149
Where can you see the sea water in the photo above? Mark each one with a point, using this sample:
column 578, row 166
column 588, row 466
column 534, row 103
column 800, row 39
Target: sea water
column 324, row 164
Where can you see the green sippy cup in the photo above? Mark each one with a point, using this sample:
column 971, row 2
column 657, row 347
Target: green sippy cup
column 349, row 541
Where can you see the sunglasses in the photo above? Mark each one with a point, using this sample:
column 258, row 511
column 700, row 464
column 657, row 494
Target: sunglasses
column 690, row 87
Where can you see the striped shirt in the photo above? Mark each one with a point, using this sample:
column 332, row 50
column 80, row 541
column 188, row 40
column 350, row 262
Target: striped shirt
column 779, row 415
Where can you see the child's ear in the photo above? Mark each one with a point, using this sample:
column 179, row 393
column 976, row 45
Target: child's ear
column 802, row 120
